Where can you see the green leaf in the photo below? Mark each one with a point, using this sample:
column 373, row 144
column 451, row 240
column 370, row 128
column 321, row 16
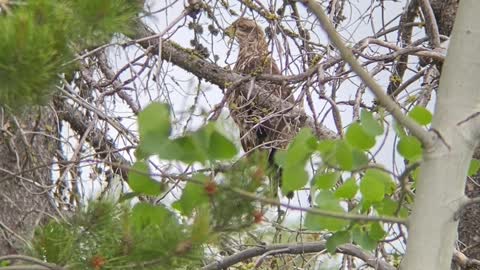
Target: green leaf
column 293, row 162
column 388, row 207
column 220, row 147
column 301, row 148
column 144, row 214
column 293, row 178
column 201, row 226
column 358, row 137
column 384, row 177
column 327, row 151
column 360, row 159
column 344, row 155
column 154, row 127
column 415, row 175
column 376, row 231
column 326, row 146
column 474, row 166
column 183, row 149
column 326, row 180
column 127, row 196
column 370, row 125
column 140, row 182
column 204, row 144
column 399, row 130
column 325, row 200
column 155, row 120
column 421, row 115
column 372, row 188
column 410, row 148
column 347, row 190
column 337, row 239
column 195, row 145
column 364, row 206
column 280, row 157
column 362, row 238
column 193, row 195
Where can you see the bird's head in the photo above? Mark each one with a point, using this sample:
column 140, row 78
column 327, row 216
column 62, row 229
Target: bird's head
column 245, row 31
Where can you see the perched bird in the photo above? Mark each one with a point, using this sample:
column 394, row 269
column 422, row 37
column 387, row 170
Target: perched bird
column 261, row 126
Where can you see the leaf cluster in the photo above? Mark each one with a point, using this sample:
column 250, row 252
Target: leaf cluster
column 365, row 190
column 104, row 235
column 211, row 194
column 344, row 183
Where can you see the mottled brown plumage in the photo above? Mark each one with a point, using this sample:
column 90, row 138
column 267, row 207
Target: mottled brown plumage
column 260, row 125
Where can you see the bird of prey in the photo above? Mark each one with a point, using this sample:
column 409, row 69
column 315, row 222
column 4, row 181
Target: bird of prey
column 262, row 126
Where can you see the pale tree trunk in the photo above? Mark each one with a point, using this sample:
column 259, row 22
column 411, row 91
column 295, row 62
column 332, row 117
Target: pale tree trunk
column 469, row 225
column 440, row 189
column 27, row 148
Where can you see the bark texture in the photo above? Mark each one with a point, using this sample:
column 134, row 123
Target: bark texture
column 27, row 148
column 445, row 12
column 468, row 228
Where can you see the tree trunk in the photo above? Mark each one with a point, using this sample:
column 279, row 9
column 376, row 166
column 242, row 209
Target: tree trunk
column 440, row 188
column 27, row 148
column 468, row 228
column 445, row 12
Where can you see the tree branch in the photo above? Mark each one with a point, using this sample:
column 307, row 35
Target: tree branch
column 99, row 141
column 464, row 262
column 38, row 264
column 464, row 205
column 223, row 78
column 430, row 23
column 346, row 53
column 300, row 248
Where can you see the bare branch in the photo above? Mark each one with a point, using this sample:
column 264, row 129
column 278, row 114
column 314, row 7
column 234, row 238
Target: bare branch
column 464, row 205
column 464, row 262
column 224, row 78
column 300, row 248
column 99, row 141
column 382, row 97
column 39, row 264
column 431, row 23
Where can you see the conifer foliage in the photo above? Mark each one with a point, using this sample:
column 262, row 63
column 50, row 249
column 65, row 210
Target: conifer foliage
column 39, row 39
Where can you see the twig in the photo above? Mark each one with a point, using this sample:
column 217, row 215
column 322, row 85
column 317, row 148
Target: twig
column 275, row 202
column 463, row 261
column 316, row 211
column 298, row 248
column 29, row 259
column 383, row 99
column 430, row 23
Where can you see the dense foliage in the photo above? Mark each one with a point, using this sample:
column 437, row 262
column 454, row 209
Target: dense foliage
column 39, row 41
